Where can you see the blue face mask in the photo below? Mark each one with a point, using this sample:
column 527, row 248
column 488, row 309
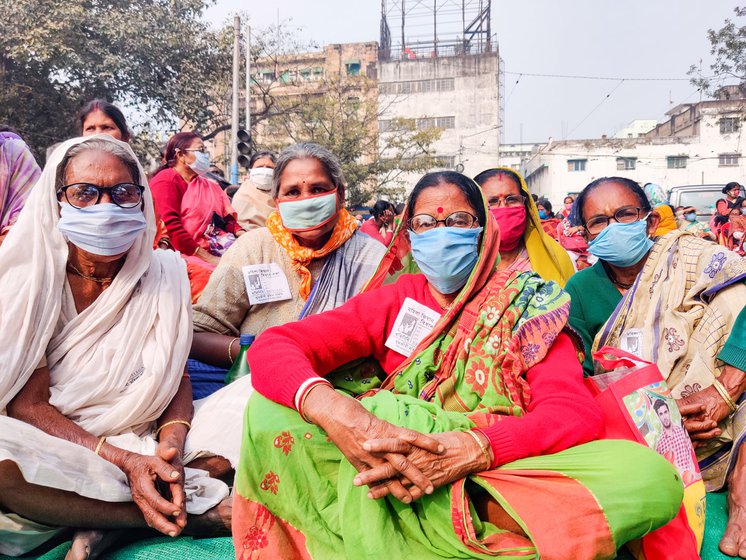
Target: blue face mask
column 543, row 214
column 691, row 217
column 201, row 163
column 622, row 244
column 308, row 213
column 446, row 255
column 102, row 229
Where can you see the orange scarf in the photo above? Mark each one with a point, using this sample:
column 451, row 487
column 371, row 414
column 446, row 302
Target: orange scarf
column 301, row 256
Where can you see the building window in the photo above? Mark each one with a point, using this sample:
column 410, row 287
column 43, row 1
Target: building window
column 625, row 163
column 446, row 84
column 446, row 122
column 677, row 162
column 353, row 68
column 728, row 160
column 576, row 164
column 729, row 124
column 447, row 162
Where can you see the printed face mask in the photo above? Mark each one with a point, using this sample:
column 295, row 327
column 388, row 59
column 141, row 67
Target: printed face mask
column 201, row 163
column 622, row 244
column 512, row 222
column 446, row 255
column 262, row 178
column 308, row 213
column 102, row 229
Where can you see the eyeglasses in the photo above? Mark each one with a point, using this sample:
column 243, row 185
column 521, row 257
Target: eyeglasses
column 426, row 222
column 203, row 150
column 511, row 201
column 625, row 215
column 81, row 195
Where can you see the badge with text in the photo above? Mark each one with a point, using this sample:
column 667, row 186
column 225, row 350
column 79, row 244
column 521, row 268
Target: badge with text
column 265, row 283
column 413, row 323
column 631, row 342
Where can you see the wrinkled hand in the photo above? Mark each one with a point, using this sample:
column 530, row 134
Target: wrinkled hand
column 462, row 457
column 701, row 413
column 349, row 425
column 143, row 472
column 171, row 451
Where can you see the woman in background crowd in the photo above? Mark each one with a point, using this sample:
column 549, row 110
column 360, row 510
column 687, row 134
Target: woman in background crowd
column 101, row 117
column 381, row 226
column 734, row 195
column 198, row 215
column 18, row 173
column 689, row 222
column 566, row 207
column 308, row 259
column 524, row 245
column 253, row 200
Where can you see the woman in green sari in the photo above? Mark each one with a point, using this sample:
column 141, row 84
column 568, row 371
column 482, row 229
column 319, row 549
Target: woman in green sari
column 471, row 436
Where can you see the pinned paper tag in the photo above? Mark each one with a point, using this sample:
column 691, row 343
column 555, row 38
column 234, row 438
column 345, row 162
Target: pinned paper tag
column 265, row 283
column 631, row 342
column 413, row 323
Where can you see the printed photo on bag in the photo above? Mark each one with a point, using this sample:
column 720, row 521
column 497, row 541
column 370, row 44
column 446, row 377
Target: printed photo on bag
column 659, row 421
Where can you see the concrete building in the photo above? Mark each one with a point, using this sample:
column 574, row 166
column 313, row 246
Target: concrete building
column 638, row 127
column 699, row 143
column 457, row 94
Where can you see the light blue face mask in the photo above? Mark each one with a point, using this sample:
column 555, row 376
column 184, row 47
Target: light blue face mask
column 308, row 213
column 201, row 163
column 691, row 217
column 622, row 244
column 446, row 255
column 102, row 229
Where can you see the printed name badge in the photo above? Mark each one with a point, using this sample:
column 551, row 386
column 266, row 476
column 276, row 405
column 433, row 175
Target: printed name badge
column 265, row 283
column 631, row 342
column 413, row 323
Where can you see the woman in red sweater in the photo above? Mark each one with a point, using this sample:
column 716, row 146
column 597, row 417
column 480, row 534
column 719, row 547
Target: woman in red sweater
column 469, row 432
column 197, row 213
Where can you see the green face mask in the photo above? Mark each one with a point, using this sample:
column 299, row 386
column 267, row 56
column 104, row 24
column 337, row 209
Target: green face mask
column 308, row 213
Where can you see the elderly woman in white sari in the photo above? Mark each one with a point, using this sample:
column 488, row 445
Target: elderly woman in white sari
column 98, row 409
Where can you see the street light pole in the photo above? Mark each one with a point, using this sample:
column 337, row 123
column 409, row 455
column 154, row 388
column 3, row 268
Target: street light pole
column 235, row 108
column 248, row 79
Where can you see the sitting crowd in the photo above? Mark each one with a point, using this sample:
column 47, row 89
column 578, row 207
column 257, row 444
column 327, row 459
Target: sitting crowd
column 418, row 385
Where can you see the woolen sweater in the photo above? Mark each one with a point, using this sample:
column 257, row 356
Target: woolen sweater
column 561, row 412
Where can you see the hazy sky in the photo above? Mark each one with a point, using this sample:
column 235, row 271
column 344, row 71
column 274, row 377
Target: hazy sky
column 602, row 38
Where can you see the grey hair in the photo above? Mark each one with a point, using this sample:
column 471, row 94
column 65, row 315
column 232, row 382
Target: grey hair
column 98, row 145
column 308, row 150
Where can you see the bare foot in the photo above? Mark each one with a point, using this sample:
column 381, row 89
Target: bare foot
column 89, row 544
column 733, row 542
column 214, row 522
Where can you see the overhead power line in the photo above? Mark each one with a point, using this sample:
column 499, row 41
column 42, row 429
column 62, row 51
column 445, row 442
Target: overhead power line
column 609, row 78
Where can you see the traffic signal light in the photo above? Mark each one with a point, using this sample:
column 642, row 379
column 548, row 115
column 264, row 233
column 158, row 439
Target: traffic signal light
column 244, row 147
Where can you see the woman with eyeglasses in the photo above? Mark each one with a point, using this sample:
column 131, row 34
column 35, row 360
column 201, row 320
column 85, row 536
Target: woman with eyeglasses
column 198, row 214
column 459, row 426
column 98, row 430
column 524, row 245
column 674, row 301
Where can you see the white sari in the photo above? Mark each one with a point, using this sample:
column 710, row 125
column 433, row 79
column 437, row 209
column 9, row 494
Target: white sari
column 114, row 368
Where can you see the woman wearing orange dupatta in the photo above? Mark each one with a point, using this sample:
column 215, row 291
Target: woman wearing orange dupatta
column 451, row 446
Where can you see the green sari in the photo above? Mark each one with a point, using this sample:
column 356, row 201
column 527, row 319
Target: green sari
column 294, row 492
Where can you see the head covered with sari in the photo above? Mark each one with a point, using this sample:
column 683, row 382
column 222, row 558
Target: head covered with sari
column 499, row 325
column 118, row 363
column 548, row 259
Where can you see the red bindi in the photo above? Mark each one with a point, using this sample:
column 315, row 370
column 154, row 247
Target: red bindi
column 440, row 210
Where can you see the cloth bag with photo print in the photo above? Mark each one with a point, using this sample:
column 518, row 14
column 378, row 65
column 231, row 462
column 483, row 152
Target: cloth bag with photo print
column 628, row 395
